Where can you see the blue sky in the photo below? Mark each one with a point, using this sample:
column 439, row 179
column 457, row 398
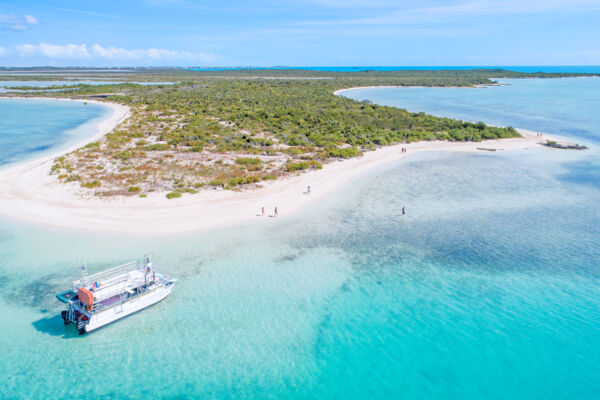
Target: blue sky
column 299, row 32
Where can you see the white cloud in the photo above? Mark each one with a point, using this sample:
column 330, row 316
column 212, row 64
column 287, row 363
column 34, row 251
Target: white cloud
column 96, row 51
column 113, row 53
column 17, row 22
column 53, row 50
column 3, row 51
column 30, row 19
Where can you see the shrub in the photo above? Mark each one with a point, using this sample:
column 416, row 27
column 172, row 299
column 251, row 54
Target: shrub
column 71, row 178
column 90, row 185
column 347, row 152
column 93, row 146
column 133, row 189
column 302, row 165
column 173, row 195
column 243, row 180
column 158, row 147
column 248, row 161
column 124, row 155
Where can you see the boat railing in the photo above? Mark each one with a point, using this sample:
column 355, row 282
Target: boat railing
column 107, row 274
column 119, row 294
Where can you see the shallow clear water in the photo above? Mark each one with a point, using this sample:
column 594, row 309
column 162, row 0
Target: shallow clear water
column 30, row 127
column 566, row 106
column 488, row 288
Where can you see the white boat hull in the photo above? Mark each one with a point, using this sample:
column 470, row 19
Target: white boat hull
column 129, row 307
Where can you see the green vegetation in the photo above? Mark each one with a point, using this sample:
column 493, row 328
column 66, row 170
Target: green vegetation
column 173, row 195
column 347, row 152
column 93, row 146
column 247, row 161
column 243, row 180
column 90, row 185
column 158, row 147
column 302, row 165
column 564, row 146
column 231, row 128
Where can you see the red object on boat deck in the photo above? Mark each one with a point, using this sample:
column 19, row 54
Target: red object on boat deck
column 85, row 296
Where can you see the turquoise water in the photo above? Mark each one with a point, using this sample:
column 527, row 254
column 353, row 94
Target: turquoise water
column 30, row 127
column 566, row 106
column 487, row 289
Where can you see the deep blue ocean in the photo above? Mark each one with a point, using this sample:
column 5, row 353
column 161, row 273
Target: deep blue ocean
column 489, row 287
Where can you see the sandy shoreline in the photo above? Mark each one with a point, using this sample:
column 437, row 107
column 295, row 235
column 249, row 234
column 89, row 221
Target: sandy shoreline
column 31, row 194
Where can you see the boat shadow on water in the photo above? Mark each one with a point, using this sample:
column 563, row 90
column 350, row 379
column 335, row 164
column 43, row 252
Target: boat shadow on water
column 54, row 326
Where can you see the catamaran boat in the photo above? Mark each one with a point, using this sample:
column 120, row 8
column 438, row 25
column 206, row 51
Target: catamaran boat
column 99, row 299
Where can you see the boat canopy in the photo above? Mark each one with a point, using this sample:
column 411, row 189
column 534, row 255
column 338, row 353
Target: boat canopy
column 66, row 296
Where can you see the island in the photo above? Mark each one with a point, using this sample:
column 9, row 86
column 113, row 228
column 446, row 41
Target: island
column 209, row 148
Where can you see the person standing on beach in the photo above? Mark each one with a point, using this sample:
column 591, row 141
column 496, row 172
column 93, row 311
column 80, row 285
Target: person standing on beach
column 276, row 212
column 262, row 211
column 308, row 190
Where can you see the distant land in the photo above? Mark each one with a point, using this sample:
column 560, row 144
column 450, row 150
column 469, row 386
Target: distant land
column 517, row 68
column 235, row 129
column 582, row 69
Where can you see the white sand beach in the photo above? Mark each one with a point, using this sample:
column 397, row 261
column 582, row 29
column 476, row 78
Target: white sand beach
column 29, row 193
